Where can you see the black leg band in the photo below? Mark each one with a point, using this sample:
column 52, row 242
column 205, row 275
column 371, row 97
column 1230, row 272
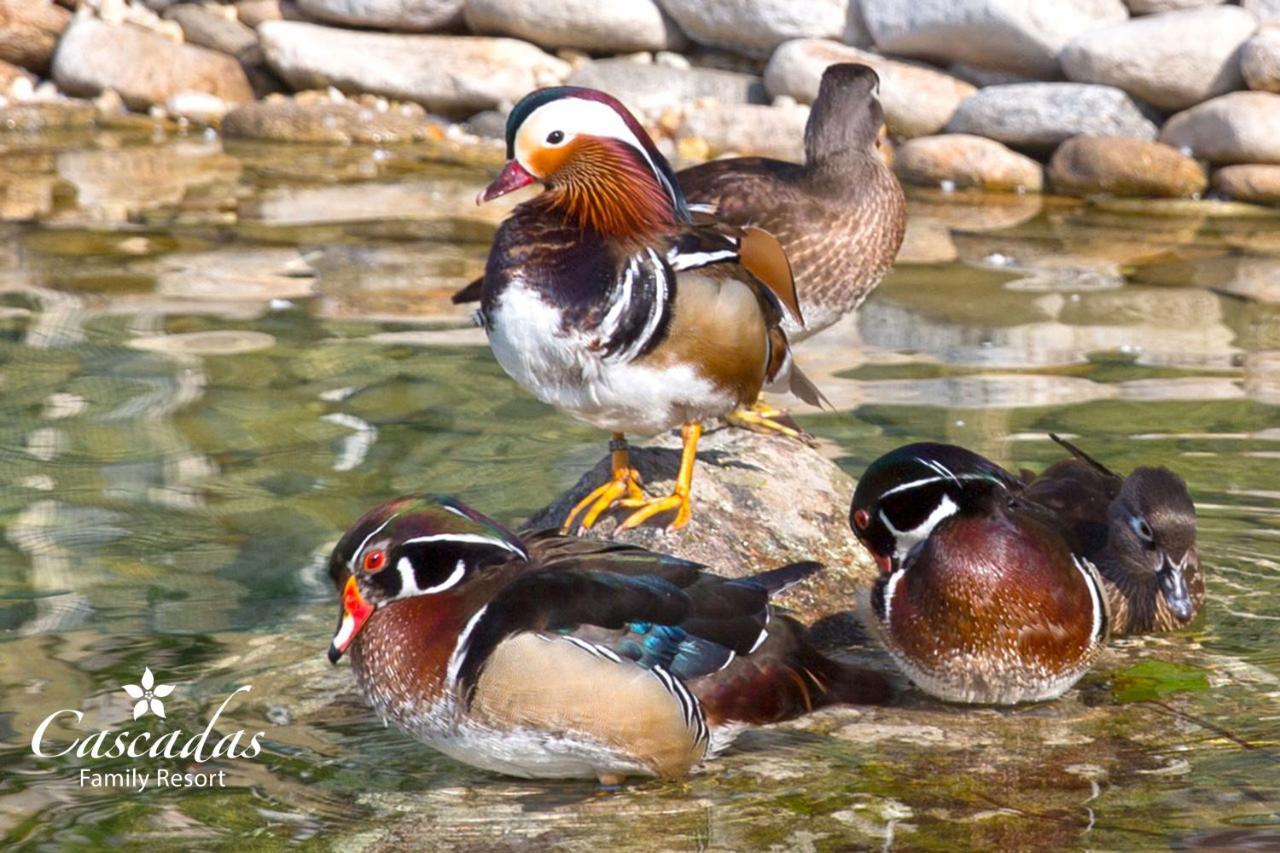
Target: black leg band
column 616, row 444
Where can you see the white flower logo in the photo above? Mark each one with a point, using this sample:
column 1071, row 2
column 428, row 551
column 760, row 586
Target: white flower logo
column 148, row 695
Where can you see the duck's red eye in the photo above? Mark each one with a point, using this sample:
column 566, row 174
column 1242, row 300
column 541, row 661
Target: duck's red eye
column 861, row 519
column 375, row 560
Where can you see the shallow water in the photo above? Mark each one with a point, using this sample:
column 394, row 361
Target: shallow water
column 213, row 358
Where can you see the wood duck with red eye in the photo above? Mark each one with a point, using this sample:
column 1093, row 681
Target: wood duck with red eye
column 982, row 598
column 1139, row 530
column 840, row 216
column 541, row 655
column 605, row 298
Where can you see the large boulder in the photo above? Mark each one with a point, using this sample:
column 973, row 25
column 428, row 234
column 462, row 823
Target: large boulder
column 1260, row 60
column 756, row 27
column 408, row 15
column 1242, row 127
column 1173, row 61
column 144, row 68
column 1263, row 10
column 29, row 31
column 1038, row 116
column 1023, row 36
column 203, row 26
column 961, row 161
column 1155, row 7
column 1113, row 165
column 590, row 25
column 454, row 75
column 712, row 130
column 650, row 89
column 917, row 100
column 1249, row 182
column 758, row 501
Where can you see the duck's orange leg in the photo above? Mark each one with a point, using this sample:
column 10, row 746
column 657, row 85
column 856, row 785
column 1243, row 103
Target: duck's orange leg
column 677, row 500
column 624, row 485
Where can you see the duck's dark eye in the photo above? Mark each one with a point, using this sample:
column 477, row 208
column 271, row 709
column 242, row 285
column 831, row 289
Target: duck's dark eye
column 555, row 137
column 1143, row 529
column 375, row 560
column 861, row 519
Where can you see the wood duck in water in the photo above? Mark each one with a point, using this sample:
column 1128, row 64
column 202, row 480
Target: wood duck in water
column 982, row 598
column 604, row 295
column 1139, row 530
column 541, row 655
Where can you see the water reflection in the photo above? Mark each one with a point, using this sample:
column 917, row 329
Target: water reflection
column 213, row 359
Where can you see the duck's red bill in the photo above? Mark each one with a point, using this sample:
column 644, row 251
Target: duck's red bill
column 511, row 178
column 355, row 612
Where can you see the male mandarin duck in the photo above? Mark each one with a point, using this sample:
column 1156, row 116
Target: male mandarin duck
column 982, row 598
column 1139, row 530
column 605, row 297
column 840, row 216
column 541, row 655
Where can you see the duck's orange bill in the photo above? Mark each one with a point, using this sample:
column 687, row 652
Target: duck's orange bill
column 511, row 178
column 355, row 612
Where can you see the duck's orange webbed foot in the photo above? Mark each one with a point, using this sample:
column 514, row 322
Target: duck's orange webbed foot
column 623, row 488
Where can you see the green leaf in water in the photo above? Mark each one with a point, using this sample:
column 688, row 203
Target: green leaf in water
column 1153, row 679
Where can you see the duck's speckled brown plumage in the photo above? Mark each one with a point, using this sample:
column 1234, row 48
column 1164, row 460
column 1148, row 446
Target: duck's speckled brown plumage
column 1099, row 507
column 840, row 216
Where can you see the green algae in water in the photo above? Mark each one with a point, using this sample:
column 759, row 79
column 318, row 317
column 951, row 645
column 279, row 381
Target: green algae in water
column 1156, row 679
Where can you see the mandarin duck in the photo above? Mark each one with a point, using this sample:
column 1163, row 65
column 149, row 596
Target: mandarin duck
column 1139, row 530
column 840, row 216
column 982, row 598
column 607, row 298
column 541, row 655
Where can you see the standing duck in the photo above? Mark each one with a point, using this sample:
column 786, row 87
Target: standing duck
column 982, row 598
column 1139, row 530
column 548, row 656
column 604, row 297
column 840, row 216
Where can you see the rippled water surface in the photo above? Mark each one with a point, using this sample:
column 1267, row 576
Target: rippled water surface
column 213, row 358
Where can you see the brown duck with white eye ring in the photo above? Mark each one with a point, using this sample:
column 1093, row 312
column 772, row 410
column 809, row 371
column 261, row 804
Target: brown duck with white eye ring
column 840, row 216
column 1139, row 530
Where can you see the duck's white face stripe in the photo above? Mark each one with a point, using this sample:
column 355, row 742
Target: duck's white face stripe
column 905, row 540
column 351, row 564
column 889, row 588
column 575, row 117
column 409, row 581
column 471, row 538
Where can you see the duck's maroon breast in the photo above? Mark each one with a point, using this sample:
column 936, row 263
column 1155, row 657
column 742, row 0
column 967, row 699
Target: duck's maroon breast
column 403, row 652
column 990, row 587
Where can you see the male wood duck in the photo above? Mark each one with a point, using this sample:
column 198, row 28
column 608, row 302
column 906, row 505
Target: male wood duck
column 542, row 655
column 604, row 296
column 1139, row 530
column 982, row 598
column 840, row 217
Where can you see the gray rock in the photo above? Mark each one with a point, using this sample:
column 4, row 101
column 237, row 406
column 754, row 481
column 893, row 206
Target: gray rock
column 758, row 501
column 746, row 129
column 650, row 90
column 965, row 161
column 756, row 28
column 1263, row 10
column 1155, row 7
column 597, row 26
column 1041, row 115
column 1023, row 37
column 455, row 75
column 1113, row 165
column 144, row 68
column 29, row 31
column 1260, row 60
column 917, row 100
column 1242, row 127
column 255, row 12
column 1173, row 61
column 343, row 122
column 408, row 15
column 204, row 27
column 856, row 33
